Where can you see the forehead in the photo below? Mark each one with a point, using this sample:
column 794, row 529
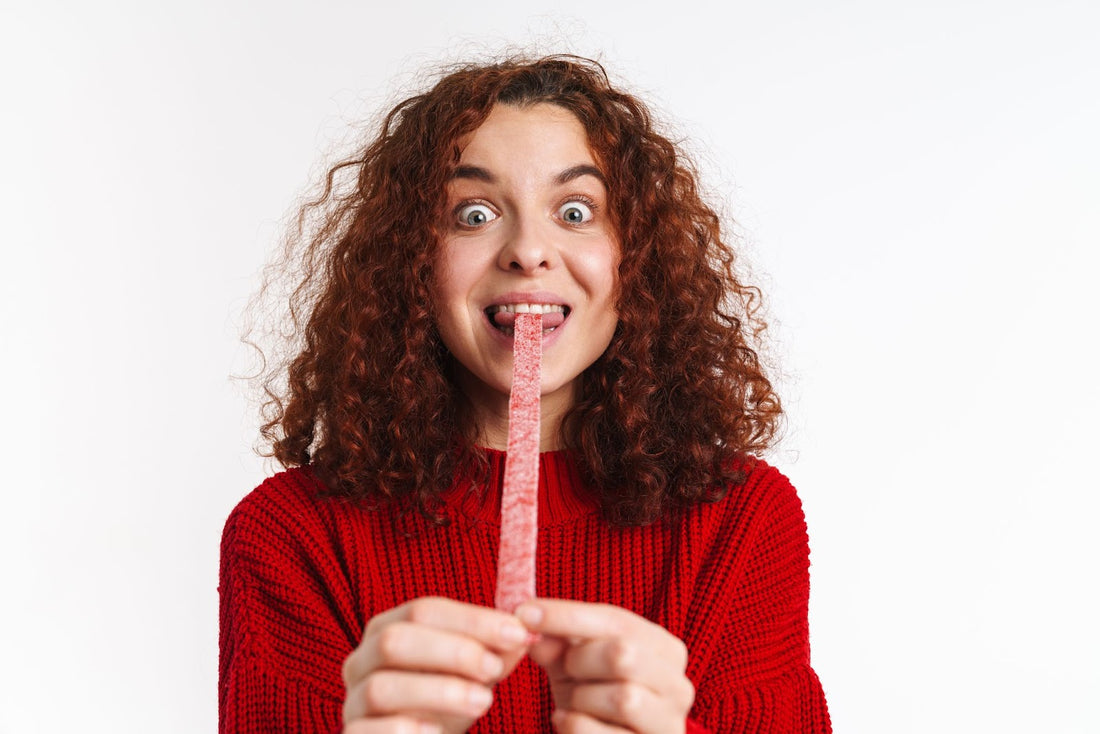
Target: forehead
column 532, row 136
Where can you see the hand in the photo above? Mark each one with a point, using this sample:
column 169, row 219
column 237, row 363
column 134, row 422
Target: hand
column 428, row 666
column 610, row 670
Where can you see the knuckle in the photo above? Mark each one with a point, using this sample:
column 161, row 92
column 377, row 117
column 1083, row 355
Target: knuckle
column 359, row 726
column 404, row 725
column 419, row 610
column 468, row 658
column 427, row 610
column 485, row 626
column 376, row 691
column 567, row 723
column 347, row 670
column 621, row 656
column 390, row 644
column 453, row 693
column 681, row 652
column 687, row 693
column 605, row 615
column 372, row 626
column 625, row 699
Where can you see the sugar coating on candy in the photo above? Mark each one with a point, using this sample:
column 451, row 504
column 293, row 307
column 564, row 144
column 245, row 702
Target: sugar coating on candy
column 519, row 504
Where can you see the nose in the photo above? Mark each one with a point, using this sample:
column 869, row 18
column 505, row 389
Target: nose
column 527, row 249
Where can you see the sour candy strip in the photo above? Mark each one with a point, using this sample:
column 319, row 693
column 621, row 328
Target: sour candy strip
column 519, row 504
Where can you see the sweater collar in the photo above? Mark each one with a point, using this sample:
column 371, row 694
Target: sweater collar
column 563, row 494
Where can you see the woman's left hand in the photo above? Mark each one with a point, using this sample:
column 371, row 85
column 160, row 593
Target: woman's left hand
column 610, row 670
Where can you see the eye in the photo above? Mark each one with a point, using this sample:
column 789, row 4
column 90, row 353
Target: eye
column 475, row 215
column 575, row 212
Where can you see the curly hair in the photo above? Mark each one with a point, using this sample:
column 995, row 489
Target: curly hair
column 667, row 415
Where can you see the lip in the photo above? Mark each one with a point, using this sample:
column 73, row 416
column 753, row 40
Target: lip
column 543, row 297
column 540, row 297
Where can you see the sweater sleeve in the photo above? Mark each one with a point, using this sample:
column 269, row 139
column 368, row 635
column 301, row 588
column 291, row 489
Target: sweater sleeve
column 284, row 634
column 758, row 677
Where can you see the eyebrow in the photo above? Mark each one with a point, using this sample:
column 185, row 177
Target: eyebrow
column 477, row 173
column 582, row 170
column 473, row 172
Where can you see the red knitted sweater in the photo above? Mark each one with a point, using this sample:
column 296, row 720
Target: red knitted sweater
column 300, row 577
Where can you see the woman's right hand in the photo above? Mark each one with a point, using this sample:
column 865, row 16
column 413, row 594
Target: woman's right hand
column 429, row 666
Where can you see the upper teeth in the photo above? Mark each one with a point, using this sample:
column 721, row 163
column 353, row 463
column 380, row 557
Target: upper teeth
column 527, row 308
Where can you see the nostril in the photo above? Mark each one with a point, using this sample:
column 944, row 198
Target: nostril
column 521, row 267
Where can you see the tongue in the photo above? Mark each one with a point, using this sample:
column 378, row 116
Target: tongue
column 549, row 320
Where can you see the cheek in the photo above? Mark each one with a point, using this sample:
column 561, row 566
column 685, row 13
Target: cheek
column 605, row 280
column 443, row 299
column 451, row 280
column 599, row 268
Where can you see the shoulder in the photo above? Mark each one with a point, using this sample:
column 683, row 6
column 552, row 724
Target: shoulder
column 285, row 507
column 772, row 491
column 761, row 508
column 292, row 490
column 763, row 492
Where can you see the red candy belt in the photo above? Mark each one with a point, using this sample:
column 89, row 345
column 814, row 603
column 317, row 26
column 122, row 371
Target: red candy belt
column 519, row 505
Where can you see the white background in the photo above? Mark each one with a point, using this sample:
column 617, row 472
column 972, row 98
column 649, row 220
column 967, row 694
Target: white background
column 917, row 185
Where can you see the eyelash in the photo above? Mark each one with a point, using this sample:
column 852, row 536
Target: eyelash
column 468, row 203
column 582, row 199
column 593, row 207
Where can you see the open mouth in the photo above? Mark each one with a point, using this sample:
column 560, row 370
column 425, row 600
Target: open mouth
column 503, row 317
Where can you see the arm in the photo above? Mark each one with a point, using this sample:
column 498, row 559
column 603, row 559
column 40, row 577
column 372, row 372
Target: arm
column 285, row 621
column 757, row 676
column 745, row 591
column 294, row 654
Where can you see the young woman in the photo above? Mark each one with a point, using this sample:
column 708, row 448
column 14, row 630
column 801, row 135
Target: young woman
column 672, row 567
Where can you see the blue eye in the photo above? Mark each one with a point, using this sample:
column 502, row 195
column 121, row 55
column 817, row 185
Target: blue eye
column 475, row 215
column 575, row 212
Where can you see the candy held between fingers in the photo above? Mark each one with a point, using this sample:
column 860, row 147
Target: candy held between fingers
column 519, row 504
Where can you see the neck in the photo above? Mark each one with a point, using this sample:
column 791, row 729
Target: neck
column 492, row 427
column 490, row 415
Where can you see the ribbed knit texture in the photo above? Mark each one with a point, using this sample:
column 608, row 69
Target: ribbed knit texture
column 301, row 576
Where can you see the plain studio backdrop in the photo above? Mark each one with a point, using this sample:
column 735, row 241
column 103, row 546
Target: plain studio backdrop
column 916, row 188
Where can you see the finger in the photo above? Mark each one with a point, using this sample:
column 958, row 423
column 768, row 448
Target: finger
column 390, row 692
column 571, row 722
column 393, row 725
column 492, row 628
column 628, row 705
column 548, row 651
column 498, row 631
column 403, row 645
column 657, row 667
column 564, row 618
column 628, row 646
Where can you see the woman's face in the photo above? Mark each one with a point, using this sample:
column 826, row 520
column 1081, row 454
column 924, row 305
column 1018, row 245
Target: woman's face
column 528, row 223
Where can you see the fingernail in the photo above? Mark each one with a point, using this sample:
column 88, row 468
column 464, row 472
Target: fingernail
column 491, row 665
column 513, row 634
column 529, row 615
column 426, row 728
column 480, row 698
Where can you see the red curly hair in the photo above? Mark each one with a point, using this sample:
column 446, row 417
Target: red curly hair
column 666, row 415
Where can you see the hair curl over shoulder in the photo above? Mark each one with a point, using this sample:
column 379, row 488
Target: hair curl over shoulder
column 666, row 415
